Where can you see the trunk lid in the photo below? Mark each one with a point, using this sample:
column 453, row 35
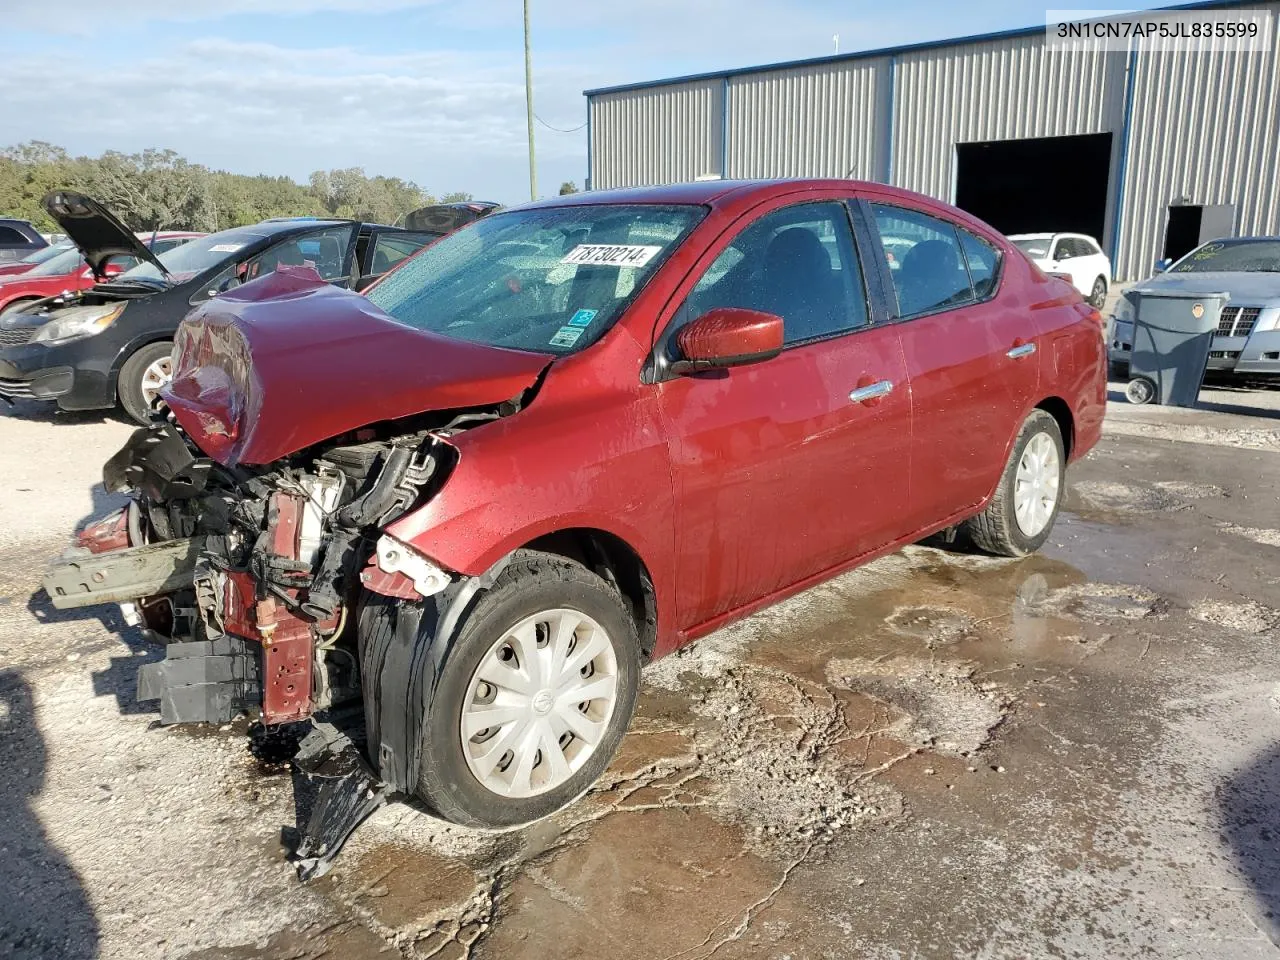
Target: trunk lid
column 96, row 231
column 287, row 361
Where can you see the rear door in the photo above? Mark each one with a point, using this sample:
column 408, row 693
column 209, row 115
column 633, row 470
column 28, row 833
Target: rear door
column 972, row 362
column 781, row 474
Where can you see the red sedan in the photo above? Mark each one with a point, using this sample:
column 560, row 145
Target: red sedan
column 565, row 441
column 67, row 272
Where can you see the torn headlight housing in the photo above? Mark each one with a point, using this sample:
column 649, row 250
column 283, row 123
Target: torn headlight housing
column 394, row 556
column 76, row 323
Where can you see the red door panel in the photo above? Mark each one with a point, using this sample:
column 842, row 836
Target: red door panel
column 779, row 475
column 969, row 397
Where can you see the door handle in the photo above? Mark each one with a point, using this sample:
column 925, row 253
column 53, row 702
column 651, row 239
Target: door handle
column 872, row 391
column 1022, row 350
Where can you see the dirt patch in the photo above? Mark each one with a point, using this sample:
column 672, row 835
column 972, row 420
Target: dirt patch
column 937, row 705
column 1267, row 537
column 936, row 626
column 1110, row 495
column 1250, row 439
column 1097, row 602
column 1189, row 490
column 1247, row 616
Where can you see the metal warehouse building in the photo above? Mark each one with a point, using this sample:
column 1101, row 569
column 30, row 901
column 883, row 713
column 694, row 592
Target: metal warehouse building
column 1147, row 150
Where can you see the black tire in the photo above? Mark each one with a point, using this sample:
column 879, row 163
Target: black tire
column 1140, row 390
column 532, row 582
column 129, row 384
column 996, row 529
column 1098, row 296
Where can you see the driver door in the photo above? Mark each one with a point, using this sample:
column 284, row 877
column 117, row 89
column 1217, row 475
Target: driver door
column 328, row 250
column 779, row 473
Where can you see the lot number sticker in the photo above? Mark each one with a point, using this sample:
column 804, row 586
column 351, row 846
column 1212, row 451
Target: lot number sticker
column 611, row 255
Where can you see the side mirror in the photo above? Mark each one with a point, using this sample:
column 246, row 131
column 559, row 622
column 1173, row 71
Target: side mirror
column 727, row 337
column 113, row 270
column 1163, row 264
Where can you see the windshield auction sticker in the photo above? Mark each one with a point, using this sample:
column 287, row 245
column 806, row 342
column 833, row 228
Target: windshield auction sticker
column 610, row 255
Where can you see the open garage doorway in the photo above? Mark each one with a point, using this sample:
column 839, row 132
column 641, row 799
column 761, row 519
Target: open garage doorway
column 1047, row 184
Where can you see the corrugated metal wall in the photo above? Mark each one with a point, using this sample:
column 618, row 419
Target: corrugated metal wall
column 660, row 135
column 829, row 120
column 996, row 90
column 1206, row 128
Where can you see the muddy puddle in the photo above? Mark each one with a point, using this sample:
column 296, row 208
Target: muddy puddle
column 893, row 763
column 786, row 779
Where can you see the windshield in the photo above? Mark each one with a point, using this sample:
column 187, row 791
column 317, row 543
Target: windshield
column 551, row 280
column 1232, row 256
column 68, row 261
column 193, row 257
column 1034, row 247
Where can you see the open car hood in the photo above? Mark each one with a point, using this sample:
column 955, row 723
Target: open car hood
column 96, row 231
column 286, row 361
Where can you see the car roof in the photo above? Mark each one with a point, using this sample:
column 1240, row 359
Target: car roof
column 714, row 193
column 1033, row 236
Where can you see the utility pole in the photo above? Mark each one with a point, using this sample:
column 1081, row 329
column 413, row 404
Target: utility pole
column 528, row 104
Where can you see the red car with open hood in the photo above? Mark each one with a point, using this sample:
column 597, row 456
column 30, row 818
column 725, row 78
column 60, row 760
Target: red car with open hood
column 561, row 443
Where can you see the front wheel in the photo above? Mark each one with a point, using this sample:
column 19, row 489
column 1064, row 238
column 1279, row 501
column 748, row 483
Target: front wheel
column 142, row 377
column 534, row 697
column 1020, row 516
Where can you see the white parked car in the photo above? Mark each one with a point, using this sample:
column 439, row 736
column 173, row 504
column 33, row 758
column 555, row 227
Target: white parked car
column 1072, row 255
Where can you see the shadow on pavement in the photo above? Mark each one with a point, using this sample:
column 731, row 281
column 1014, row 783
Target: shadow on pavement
column 1249, row 806
column 47, row 412
column 44, row 910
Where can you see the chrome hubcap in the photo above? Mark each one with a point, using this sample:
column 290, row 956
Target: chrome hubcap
column 155, row 378
column 539, row 703
column 1035, row 485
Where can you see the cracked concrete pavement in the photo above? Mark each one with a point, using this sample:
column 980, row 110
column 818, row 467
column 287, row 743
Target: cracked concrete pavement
column 939, row 755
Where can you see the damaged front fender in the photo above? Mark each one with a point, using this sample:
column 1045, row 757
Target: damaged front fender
column 403, row 648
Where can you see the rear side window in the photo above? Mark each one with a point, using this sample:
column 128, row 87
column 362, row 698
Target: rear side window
column 983, row 261
column 927, row 265
column 797, row 263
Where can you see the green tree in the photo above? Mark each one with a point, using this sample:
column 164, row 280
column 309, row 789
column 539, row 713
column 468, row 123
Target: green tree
column 568, row 187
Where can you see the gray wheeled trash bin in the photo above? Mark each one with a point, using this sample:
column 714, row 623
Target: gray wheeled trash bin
column 1172, row 333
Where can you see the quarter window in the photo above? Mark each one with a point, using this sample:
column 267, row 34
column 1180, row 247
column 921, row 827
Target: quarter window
column 983, row 261
column 925, row 260
column 797, row 263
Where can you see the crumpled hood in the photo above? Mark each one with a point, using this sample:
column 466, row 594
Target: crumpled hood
column 288, row 360
column 1246, row 289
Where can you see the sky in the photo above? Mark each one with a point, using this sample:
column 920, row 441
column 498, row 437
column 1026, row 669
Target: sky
column 427, row 90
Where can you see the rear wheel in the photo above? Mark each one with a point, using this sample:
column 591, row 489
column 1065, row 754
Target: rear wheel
column 1020, row 516
column 142, row 377
column 1098, row 296
column 533, row 698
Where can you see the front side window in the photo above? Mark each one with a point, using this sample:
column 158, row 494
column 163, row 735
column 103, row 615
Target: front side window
column 11, row 237
column 326, row 250
column 1037, row 248
column 931, row 274
column 797, row 263
column 548, row 280
column 1062, row 249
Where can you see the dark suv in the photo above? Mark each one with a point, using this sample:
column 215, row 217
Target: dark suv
column 17, row 239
